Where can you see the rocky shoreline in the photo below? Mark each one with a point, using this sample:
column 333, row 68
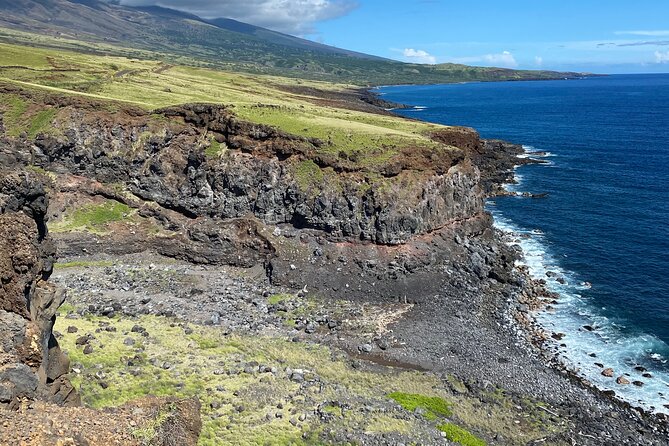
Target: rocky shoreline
column 399, row 266
column 537, row 298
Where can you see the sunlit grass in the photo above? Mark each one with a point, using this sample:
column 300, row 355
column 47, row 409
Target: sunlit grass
column 257, row 98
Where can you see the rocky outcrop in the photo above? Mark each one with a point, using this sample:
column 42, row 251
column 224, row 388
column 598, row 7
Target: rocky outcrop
column 224, row 188
column 31, row 363
column 263, row 173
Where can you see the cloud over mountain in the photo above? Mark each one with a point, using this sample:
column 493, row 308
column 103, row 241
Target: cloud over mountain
column 292, row 17
column 504, row 59
column 419, row 56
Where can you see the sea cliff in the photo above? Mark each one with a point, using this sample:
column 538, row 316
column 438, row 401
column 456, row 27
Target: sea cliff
column 327, row 296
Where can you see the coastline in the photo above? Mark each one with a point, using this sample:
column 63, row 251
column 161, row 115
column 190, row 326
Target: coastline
column 538, row 301
column 535, row 297
column 576, row 76
column 442, row 304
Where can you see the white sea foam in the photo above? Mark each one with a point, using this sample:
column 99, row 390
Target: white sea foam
column 514, row 187
column 588, row 332
column 531, row 151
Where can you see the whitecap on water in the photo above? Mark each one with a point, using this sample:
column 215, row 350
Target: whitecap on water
column 609, row 340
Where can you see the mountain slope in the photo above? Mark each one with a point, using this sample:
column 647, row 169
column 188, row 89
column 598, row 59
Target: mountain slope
column 285, row 39
column 224, row 43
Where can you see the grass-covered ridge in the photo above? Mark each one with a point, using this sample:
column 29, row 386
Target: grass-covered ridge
column 284, row 103
column 19, row 118
column 187, row 39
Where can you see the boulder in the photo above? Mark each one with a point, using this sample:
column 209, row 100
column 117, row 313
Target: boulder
column 608, row 372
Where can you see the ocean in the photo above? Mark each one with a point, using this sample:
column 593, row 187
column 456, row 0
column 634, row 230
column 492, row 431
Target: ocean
column 604, row 226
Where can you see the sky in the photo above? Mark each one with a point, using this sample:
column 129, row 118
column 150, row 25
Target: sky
column 607, row 36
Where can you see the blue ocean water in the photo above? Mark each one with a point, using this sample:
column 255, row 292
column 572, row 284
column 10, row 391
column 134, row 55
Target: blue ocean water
column 605, row 220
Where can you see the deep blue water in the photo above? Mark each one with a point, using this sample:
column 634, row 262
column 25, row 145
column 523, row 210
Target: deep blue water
column 606, row 218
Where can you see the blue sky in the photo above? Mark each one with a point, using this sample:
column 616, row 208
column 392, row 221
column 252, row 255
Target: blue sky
column 604, row 36
column 610, row 36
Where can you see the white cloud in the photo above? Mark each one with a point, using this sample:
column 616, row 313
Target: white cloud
column 419, row 56
column 538, row 61
column 504, row 59
column 657, row 33
column 292, row 17
column 661, row 57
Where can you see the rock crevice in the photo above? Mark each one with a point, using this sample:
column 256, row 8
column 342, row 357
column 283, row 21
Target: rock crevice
column 31, row 362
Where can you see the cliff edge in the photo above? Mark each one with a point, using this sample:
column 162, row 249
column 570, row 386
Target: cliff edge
column 32, row 364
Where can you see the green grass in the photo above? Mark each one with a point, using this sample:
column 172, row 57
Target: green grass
column 14, row 107
column 66, row 308
column 215, row 149
column 197, row 44
column 209, row 364
column 460, row 435
column 195, row 359
column 433, row 406
column 261, row 99
column 308, row 175
column 278, row 298
column 41, row 121
column 205, row 343
column 94, row 217
column 18, row 119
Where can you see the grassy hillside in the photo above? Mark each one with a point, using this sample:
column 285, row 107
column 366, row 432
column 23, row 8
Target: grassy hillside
column 222, row 43
column 285, row 103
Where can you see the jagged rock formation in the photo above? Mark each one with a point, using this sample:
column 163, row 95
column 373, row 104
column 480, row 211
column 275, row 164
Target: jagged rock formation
column 161, row 158
column 414, row 211
column 31, row 363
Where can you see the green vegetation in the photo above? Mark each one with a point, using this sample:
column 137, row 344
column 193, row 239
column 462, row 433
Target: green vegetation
column 172, row 358
column 45, row 174
column 433, row 407
column 460, row 435
column 66, row 309
column 308, row 175
column 365, row 138
column 146, row 434
column 41, row 121
column 14, row 108
column 215, row 149
column 278, row 298
column 211, row 366
column 187, row 41
column 94, row 217
column 19, row 118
